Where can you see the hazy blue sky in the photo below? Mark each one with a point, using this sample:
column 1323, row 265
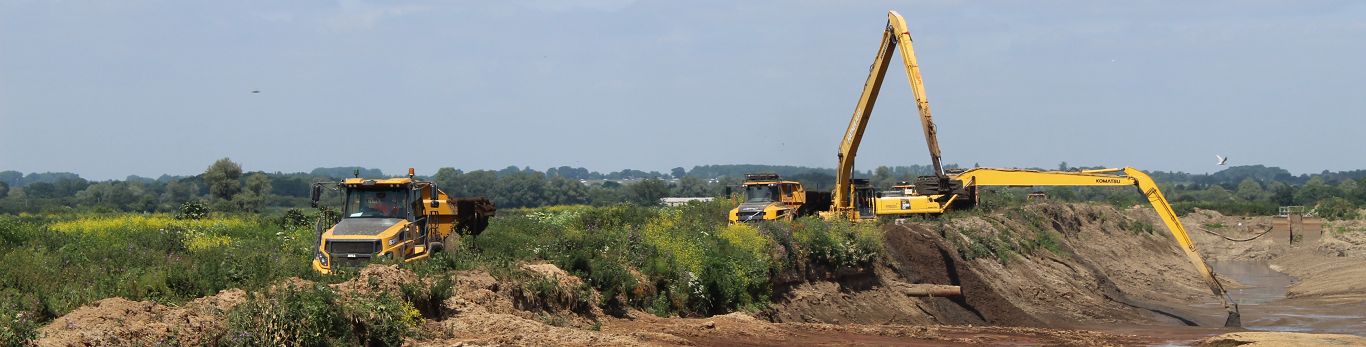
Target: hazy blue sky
column 111, row 88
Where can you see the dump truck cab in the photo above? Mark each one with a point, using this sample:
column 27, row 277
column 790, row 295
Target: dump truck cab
column 399, row 219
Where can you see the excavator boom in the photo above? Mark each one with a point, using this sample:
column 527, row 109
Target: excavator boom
column 896, row 33
column 981, row 177
column 922, row 103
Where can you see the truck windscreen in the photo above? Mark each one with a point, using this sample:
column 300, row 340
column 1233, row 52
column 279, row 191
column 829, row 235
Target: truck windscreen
column 761, row 192
column 376, row 203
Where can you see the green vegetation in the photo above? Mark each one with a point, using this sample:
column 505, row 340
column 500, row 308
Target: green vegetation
column 55, row 264
column 316, row 315
column 1014, row 230
column 683, row 260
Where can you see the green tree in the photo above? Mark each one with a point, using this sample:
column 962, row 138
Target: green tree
column 1313, row 191
column 648, row 191
column 1336, row 208
column 1349, row 189
column 692, row 187
column 678, row 172
column 40, row 190
column 563, row 191
column 1360, row 196
column 254, row 197
column 4, row 190
column 883, row 177
column 447, row 178
column 258, row 183
column 521, row 189
column 1281, row 193
column 68, row 186
column 177, row 192
column 604, row 195
column 1217, row 193
column 1250, row 190
column 223, row 178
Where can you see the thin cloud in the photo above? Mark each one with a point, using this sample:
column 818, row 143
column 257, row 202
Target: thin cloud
column 594, row 5
column 362, row 15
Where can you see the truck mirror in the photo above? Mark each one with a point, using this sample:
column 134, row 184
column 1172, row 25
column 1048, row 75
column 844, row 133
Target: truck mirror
column 317, row 193
column 431, row 194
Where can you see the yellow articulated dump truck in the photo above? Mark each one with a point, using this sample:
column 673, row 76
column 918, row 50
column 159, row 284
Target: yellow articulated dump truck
column 393, row 219
column 768, row 197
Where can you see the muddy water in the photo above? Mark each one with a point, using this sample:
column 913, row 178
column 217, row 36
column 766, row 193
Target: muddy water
column 1264, row 305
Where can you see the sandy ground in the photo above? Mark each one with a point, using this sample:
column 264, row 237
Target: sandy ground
column 1110, row 284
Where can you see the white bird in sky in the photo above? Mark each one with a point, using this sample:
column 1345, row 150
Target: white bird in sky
column 1222, row 159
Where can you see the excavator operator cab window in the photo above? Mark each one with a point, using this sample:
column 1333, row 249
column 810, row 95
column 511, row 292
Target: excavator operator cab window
column 761, row 193
column 376, row 203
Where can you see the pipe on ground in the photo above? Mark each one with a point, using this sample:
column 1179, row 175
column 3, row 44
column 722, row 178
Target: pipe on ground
column 930, row 290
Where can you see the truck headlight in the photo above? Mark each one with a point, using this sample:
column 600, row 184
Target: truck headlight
column 322, row 258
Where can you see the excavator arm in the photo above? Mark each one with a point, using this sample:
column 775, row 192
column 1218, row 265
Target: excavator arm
column 896, row 33
column 1107, row 177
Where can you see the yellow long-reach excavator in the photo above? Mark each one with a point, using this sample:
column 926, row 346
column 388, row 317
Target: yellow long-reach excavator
column 851, row 200
column 937, row 193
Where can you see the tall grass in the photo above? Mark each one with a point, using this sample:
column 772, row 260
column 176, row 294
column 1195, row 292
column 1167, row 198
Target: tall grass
column 50, row 265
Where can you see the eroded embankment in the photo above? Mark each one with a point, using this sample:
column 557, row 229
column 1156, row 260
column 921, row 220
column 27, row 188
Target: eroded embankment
column 1040, row 265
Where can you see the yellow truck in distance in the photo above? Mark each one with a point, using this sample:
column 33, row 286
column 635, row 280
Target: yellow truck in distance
column 393, row 219
column 768, row 197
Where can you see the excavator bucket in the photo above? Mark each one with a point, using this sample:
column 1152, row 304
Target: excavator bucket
column 1235, row 320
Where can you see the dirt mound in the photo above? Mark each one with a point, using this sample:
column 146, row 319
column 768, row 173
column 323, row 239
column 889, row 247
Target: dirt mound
column 1344, row 239
column 118, row 321
column 1208, row 228
column 1281, row 339
column 378, row 278
column 484, row 311
column 484, row 328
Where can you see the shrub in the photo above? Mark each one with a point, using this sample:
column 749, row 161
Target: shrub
column 1336, row 208
column 192, row 210
column 315, row 315
column 18, row 324
column 294, row 219
column 837, row 243
column 307, row 316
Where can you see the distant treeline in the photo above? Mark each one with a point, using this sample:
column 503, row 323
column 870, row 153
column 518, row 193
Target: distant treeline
column 224, row 186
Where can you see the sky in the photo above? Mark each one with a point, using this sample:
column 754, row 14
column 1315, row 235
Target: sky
column 108, row 89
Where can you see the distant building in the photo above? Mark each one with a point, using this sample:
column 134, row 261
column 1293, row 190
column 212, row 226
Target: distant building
column 681, row 201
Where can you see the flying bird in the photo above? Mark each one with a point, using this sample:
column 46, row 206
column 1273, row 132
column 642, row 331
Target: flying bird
column 1222, row 159
column 256, row 92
